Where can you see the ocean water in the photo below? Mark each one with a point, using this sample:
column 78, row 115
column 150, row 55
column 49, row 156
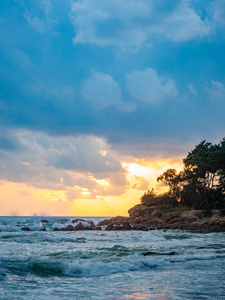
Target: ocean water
column 106, row 264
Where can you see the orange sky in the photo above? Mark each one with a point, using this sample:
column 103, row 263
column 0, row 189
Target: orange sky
column 22, row 199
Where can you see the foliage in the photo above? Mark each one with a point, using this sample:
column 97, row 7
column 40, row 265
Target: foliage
column 152, row 199
column 201, row 184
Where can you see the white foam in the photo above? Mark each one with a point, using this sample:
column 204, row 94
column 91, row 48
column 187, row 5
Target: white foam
column 106, row 267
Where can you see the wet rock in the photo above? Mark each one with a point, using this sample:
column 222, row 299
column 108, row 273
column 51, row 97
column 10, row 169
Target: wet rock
column 90, row 223
column 126, row 226
column 104, row 222
column 89, row 228
column 110, row 227
column 25, row 229
column 98, row 228
column 69, row 228
column 79, row 226
column 155, row 253
column 213, row 246
column 44, row 221
column 42, row 229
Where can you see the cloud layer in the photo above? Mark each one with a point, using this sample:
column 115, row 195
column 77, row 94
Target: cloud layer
column 78, row 78
column 82, row 165
column 135, row 23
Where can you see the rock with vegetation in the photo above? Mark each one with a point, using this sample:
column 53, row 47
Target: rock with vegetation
column 195, row 200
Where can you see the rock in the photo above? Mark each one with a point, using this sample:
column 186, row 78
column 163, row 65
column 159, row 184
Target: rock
column 119, row 220
column 98, row 228
column 143, row 228
column 110, row 227
column 213, row 246
column 89, row 228
column 43, row 229
column 69, row 228
column 25, row 229
column 79, row 226
column 104, row 222
column 90, row 223
column 56, row 229
column 44, row 221
column 155, row 253
column 126, row 226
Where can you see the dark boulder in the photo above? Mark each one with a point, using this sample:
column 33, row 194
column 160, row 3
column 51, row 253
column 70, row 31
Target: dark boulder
column 25, row 228
column 98, row 228
column 155, row 253
column 110, row 227
column 68, row 228
column 79, row 226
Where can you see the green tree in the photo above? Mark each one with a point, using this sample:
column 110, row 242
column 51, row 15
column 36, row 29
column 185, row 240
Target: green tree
column 149, row 198
column 173, row 180
column 200, row 185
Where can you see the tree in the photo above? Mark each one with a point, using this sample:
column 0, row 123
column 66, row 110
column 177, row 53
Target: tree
column 203, row 165
column 149, row 198
column 171, row 179
column 200, row 185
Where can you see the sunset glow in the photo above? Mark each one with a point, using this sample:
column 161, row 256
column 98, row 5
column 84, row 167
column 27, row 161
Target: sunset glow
column 31, row 200
column 98, row 99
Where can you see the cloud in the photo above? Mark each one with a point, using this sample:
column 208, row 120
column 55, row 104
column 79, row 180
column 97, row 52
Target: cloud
column 192, row 89
column 133, row 23
column 41, row 19
column 101, row 90
column 217, row 9
column 148, row 87
column 216, row 90
column 141, row 184
column 81, row 165
column 46, row 84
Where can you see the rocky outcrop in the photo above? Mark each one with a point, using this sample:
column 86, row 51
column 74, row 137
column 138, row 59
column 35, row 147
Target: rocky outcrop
column 148, row 218
column 79, row 224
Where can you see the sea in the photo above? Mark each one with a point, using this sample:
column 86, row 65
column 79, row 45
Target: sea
column 107, row 264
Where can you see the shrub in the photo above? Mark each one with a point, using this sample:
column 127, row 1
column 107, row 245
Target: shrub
column 152, row 199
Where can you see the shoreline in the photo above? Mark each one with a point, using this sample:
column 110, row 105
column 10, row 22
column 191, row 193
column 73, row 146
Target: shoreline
column 143, row 217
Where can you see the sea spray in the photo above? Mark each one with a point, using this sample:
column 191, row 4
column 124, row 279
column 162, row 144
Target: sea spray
column 107, row 265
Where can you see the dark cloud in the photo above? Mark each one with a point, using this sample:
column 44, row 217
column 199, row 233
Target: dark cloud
column 152, row 85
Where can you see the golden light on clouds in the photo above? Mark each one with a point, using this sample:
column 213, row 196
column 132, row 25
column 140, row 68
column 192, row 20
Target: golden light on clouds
column 141, row 175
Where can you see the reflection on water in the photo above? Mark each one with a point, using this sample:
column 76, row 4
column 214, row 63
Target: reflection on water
column 146, row 292
column 157, row 294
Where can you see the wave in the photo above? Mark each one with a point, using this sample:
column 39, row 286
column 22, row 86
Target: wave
column 82, row 268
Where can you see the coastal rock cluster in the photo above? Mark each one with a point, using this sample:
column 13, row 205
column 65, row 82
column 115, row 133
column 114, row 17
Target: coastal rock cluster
column 146, row 218
column 79, row 224
column 143, row 217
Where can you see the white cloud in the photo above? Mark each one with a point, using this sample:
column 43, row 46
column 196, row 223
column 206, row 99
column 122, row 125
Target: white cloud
column 217, row 8
column 43, row 21
column 192, row 89
column 75, row 164
column 130, row 24
column 148, row 87
column 216, row 90
column 101, row 90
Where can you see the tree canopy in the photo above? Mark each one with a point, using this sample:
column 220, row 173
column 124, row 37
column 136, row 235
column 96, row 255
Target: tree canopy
column 201, row 183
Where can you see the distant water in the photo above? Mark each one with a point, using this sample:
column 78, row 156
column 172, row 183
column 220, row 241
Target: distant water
column 107, row 265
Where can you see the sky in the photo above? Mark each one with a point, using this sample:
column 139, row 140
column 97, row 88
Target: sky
column 98, row 98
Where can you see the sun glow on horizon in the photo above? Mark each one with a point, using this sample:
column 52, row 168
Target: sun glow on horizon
column 23, row 199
